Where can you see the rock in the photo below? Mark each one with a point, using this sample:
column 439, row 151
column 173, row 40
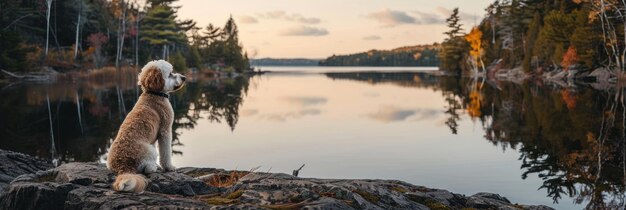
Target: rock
column 178, row 183
column 516, row 75
column 35, row 195
column 105, row 198
column 13, row 164
column 487, row 201
column 87, row 186
column 83, row 174
column 601, row 74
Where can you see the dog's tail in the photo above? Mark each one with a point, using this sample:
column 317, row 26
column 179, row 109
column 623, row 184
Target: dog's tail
column 130, row 182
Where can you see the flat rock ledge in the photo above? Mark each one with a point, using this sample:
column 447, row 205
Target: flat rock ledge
column 13, row 164
column 88, row 186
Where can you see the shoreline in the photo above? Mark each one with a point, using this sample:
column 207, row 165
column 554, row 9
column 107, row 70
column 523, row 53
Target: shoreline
column 87, row 186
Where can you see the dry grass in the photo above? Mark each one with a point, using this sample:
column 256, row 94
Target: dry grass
column 429, row 202
column 225, row 180
column 220, row 201
column 286, row 206
column 398, row 189
column 228, row 180
column 230, row 198
column 367, row 196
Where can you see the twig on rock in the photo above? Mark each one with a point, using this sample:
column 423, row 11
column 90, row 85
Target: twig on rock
column 296, row 172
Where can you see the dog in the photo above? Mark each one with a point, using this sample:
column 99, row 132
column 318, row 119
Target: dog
column 134, row 152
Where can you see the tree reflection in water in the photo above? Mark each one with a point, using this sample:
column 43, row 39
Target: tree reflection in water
column 87, row 115
column 573, row 139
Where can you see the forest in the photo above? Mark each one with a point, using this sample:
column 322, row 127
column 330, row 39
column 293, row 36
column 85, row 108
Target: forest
column 420, row 55
column 539, row 36
column 72, row 35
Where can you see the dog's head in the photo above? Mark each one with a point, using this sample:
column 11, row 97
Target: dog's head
column 158, row 76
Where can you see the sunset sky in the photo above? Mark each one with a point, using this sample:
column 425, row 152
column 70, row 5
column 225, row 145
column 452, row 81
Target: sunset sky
column 320, row 28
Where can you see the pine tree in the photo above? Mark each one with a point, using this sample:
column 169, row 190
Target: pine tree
column 531, row 37
column 193, row 58
column 454, row 25
column 159, row 28
column 154, row 3
column 454, row 47
column 231, row 32
column 232, row 50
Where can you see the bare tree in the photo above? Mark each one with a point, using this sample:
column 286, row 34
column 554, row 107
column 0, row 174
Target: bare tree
column 120, row 34
column 81, row 9
column 49, row 4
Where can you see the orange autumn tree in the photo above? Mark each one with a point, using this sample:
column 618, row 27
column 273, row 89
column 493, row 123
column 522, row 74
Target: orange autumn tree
column 476, row 98
column 570, row 58
column 569, row 99
column 476, row 51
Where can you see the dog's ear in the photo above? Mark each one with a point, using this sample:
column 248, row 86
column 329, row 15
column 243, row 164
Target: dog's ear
column 153, row 80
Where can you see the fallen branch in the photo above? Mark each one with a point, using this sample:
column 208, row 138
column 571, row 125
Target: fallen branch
column 28, row 77
column 296, row 172
column 12, row 74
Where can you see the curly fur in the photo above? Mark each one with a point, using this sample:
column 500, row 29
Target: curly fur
column 134, row 149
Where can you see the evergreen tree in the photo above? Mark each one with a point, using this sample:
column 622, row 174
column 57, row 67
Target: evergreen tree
column 454, row 47
column 232, row 50
column 212, row 33
column 193, row 58
column 159, row 28
column 454, row 25
column 154, row 3
column 231, row 32
column 178, row 62
column 533, row 33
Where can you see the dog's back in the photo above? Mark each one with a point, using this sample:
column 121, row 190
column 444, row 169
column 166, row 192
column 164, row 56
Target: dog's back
column 139, row 130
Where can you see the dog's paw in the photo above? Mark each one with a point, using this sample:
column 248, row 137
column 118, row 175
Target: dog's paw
column 169, row 168
column 151, row 168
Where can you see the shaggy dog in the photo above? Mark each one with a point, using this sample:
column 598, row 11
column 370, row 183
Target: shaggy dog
column 134, row 151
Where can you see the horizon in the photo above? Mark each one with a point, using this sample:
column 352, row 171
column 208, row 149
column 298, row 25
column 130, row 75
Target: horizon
column 322, row 28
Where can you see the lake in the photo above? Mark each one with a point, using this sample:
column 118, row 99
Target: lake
column 534, row 143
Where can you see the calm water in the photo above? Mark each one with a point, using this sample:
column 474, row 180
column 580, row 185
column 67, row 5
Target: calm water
column 532, row 143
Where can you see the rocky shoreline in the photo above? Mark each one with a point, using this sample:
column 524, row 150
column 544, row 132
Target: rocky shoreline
column 87, row 186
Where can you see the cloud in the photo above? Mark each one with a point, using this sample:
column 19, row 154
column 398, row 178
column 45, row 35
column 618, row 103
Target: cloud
column 293, row 17
column 308, row 112
column 282, row 117
column 273, row 14
column 429, row 18
column 304, row 31
column 371, row 94
column 465, row 17
column 425, row 114
column 248, row 19
column 306, row 101
column 373, row 37
column 387, row 114
column 391, row 114
column 299, row 18
column 391, row 18
column 248, row 112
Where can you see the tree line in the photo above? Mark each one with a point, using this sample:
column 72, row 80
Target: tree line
column 540, row 35
column 82, row 34
column 420, row 55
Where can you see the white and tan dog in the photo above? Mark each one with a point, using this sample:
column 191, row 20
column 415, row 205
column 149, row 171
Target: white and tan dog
column 134, row 150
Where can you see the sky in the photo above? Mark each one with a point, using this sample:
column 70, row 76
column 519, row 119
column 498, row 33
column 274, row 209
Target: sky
column 321, row 28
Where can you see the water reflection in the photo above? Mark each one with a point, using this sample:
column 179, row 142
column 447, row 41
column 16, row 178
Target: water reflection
column 572, row 139
column 86, row 115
